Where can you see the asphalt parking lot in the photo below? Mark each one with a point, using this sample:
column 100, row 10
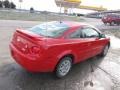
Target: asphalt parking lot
column 106, row 75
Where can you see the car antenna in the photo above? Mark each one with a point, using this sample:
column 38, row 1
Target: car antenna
column 46, row 26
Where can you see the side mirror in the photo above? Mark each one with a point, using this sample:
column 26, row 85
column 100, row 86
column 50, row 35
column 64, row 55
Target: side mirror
column 102, row 36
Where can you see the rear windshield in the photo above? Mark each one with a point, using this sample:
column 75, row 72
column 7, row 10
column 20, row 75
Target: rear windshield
column 51, row 29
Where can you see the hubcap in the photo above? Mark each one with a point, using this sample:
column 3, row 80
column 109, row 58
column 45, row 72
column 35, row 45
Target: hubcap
column 64, row 67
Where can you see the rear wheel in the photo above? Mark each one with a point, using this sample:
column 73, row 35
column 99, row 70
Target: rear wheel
column 63, row 67
column 105, row 51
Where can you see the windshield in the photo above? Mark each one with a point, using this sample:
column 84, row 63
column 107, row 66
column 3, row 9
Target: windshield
column 51, row 29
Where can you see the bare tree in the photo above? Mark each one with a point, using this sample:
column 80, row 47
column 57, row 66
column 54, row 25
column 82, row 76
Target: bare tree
column 6, row 4
column 12, row 5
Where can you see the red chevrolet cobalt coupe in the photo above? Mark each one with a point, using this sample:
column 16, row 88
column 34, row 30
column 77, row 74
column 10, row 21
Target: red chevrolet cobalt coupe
column 56, row 46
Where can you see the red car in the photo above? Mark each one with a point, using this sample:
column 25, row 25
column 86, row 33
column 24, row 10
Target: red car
column 55, row 46
column 111, row 19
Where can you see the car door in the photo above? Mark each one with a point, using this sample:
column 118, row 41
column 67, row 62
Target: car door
column 79, row 46
column 93, row 40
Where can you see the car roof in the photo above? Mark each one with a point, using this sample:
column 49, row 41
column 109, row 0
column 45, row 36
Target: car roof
column 64, row 24
column 69, row 24
column 79, row 24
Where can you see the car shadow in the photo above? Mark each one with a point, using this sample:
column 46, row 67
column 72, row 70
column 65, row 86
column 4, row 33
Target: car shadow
column 47, row 81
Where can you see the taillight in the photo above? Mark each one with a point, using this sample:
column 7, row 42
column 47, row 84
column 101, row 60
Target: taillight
column 35, row 50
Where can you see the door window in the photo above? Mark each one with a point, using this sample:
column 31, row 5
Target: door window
column 89, row 33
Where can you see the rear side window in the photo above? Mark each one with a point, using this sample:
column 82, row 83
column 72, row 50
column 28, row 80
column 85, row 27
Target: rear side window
column 52, row 29
column 75, row 34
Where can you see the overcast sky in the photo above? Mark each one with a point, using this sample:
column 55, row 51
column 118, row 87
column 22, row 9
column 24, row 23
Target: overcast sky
column 49, row 5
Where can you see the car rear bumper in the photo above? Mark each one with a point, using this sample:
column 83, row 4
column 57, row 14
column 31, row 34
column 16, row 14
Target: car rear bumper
column 32, row 64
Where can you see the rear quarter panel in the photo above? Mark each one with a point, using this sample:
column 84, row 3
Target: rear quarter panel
column 58, row 48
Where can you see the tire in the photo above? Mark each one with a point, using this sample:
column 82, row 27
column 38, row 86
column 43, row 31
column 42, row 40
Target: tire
column 105, row 51
column 112, row 23
column 63, row 67
column 118, row 23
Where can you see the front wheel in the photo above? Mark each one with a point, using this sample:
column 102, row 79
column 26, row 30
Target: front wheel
column 105, row 51
column 63, row 67
column 118, row 23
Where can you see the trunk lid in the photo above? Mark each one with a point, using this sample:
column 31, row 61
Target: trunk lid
column 25, row 40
